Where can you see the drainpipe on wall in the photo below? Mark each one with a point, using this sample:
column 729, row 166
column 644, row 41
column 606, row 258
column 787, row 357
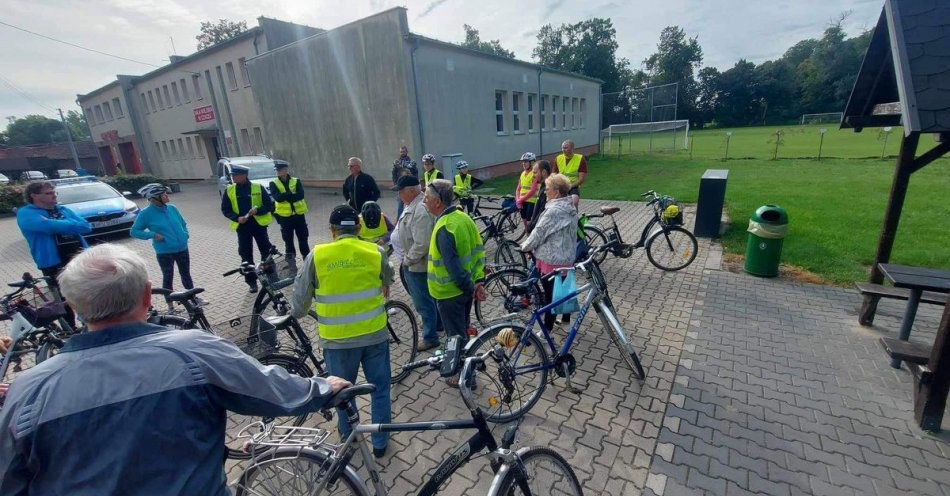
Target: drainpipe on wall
column 227, row 107
column 415, row 90
column 217, row 115
column 540, row 128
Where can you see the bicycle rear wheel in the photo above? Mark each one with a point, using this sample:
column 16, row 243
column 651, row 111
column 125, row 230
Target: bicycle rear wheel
column 608, row 318
column 595, row 238
column 292, row 471
column 236, row 421
column 511, row 226
column 501, row 304
column 672, row 248
column 505, row 390
column 403, row 338
column 48, row 349
column 507, row 253
column 546, row 472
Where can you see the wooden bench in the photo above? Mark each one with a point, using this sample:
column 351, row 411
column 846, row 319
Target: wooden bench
column 882, row 291
column 908, row 351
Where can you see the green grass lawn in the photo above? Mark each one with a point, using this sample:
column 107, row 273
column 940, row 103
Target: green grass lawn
column 835, row 207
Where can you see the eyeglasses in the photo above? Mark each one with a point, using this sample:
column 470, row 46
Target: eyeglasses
column 50, row 192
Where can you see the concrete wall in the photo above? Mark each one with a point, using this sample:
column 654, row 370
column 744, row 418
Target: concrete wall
column 339, row 94
column 457, row 100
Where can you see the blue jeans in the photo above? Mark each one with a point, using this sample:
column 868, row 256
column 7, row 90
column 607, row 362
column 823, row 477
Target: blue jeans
column 424, row 302
column 345, row 363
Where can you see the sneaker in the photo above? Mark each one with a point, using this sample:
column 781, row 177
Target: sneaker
column 426, row 345
column 380, row 452
column 252, row 288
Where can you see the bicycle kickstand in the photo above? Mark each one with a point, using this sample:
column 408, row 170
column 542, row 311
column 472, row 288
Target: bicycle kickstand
column 570, row 386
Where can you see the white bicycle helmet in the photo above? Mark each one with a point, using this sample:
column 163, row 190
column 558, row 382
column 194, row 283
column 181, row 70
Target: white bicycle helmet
column 428, row 157
column 152, row 190
column 461, row 164
column 529, row 157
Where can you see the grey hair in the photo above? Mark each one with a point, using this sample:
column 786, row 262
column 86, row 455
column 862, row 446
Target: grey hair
column 355, row 159
column 104, row 282
column 441, row 189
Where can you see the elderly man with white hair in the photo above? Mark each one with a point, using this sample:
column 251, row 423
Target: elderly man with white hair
column 359, row 187
column 131, row 407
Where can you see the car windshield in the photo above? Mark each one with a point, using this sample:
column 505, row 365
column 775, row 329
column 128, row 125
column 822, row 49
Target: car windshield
column 84, row 193
column 260, row 170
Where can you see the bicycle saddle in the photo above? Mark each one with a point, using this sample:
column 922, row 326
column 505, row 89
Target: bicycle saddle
column 347, row 394
column 161, row 291
column 609, row 210
column 20, row 284
column 184, row 295
column 278, row 321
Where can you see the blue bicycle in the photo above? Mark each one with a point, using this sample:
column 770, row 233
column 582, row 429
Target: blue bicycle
column 512, row 380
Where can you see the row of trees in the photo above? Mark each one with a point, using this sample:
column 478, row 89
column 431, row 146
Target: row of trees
column 35, row 129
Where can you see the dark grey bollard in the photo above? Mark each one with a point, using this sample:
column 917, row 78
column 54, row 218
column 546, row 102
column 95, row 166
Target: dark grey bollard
column 712, row 194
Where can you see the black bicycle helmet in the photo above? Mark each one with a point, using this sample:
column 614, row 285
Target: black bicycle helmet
column 372, row 214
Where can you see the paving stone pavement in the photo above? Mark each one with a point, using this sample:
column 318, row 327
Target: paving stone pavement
column 752, row 385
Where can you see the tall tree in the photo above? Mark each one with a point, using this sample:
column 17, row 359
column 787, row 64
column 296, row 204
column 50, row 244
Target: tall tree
column 474, row 41
column 34, row 129
column 587, row 47
column 738, row 100
column 76, row 121
column 676, row 60
column 213, row 33
column 707, row 100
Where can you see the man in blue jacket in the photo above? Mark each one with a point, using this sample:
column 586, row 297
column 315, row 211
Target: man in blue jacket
column 130, row 408
column 162, row 223
column 53, row 232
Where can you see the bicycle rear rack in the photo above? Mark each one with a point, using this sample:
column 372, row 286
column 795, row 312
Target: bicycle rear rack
column 267, row 435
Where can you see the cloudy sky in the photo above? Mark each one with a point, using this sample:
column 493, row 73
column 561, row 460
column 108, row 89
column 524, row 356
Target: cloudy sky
column 49, row 74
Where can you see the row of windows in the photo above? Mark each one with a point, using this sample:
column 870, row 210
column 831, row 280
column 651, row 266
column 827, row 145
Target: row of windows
column 186, row 149
column 172, row 95
column 523, row 108
column 104, row 112
column 252, row 148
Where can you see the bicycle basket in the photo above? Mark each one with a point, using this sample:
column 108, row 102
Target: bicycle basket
column 253, row 334
column 672, row 214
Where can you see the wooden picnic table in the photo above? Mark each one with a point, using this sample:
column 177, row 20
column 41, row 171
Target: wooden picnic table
column 930, row 366
column 917, row 280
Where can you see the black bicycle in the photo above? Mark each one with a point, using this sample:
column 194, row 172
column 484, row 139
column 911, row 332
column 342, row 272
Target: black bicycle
column 42, row 307
column 668, row 244
column 502, row 229
column 188, row 299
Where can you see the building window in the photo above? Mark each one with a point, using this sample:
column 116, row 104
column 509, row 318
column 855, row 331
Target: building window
column 171, row 144
column 232, row 80
column 181, row 149
column 259, row 139
column 158, row 96
column 197, row 84
column 151, row 100
column 244, row 75
column 144, row 103
column 201, row 153
column 168, row 99
column 158, row 151
column 246, row 140
column 117, row 107
column 168, row 156
column 516, row 112
column 554, row 101
column 175, row 93
column 191, row 148
column 544, row 103
column 107, row 110
column 580, row 117
column 564, row 100
column 531, row 99
column 90, row 117
column 500, row 112
column 99, row 119
column 574, row 113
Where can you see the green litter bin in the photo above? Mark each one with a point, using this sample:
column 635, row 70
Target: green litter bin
column 763, row 250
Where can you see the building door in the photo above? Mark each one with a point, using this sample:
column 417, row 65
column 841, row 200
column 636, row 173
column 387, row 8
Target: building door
column 129, row 158
column 105, row 153
column 216, row 148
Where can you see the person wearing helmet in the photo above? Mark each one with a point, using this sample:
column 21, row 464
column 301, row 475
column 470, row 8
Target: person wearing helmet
column 464, row 184
column 248, row 206
column 430, row 173
column 526, row 189
column 403, row 166
column 290, row 208
column 162, row 223
column 374, row 226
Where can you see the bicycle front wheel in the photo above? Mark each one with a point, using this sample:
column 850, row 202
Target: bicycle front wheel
column 512, row 226
column 595, row 238
column 403, row 338
column 292, row 471
column 507, row 253
column 506, row 389
column 628, row 353
column 672, row 248
column 545, row 472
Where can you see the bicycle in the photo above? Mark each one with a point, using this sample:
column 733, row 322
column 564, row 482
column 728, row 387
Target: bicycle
column 301, row 461
column 669, row 247
column 193, row 308
column 497, row 226
column 521, row 359
column 42, row 307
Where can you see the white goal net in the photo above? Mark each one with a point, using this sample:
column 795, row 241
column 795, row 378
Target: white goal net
column 826, row 118
column 646, row 137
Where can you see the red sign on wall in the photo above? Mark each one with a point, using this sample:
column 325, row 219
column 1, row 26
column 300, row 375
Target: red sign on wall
column 203, row 114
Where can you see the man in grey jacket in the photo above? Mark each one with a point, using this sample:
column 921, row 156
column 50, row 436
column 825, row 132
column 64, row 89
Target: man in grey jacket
column 130, row 407
column 413, row 236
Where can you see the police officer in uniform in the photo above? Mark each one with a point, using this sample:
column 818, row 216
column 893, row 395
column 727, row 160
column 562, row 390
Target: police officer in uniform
column 248, row 206
column 290, row 207
column 349, row 279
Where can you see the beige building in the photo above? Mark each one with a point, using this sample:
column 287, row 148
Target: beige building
column 176, row 121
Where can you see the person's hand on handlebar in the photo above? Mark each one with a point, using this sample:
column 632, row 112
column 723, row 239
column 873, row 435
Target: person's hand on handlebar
column 5, row 342
column 481, row 294
column 337, row 384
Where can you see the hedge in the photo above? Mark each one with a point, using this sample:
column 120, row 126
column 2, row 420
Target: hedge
column 11, row 195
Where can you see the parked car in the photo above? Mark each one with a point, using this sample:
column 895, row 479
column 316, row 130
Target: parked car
column 4, row 179
column 64, row 173
column 32, row 176
column 262, row 170
column 108, row 210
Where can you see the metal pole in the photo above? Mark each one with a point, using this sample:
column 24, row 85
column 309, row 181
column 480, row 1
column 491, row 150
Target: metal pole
column 821, row 141
column 728, row 137
column 69, row 137
column 884, row 148
column 691, row 143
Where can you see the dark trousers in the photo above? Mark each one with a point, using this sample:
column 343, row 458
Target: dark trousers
column 294, row 225
column 548, row 286
column 53, row 284
column 167, row 262
column 468, row 204
column 456, row 315
column 248, row 233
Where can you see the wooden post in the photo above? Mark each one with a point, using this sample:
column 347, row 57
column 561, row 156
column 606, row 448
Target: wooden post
column 930, row 396
column 892, row 216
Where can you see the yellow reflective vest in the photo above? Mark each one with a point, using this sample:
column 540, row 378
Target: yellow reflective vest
column 286, row 208
column 462, row 185
column 256, row 202
column 526, row 178
column 429, row 176
column 372, row 234
column 468, row 245
column 571, row 168
column 349, row 297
